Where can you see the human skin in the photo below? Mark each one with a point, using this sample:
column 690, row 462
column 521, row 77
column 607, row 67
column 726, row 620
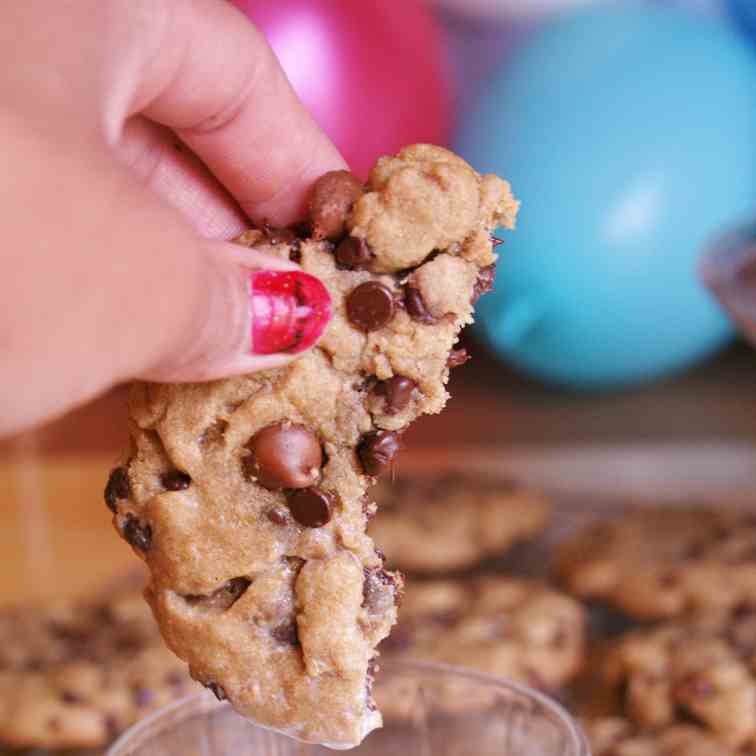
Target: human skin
column 137, row 137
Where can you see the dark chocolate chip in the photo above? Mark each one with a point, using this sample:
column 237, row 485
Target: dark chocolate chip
column 223, row 598
column 284, row 456
column 143, row 696
column 484, row 282
column 118, row 487
column 278, row 515
column 69, row 697
column 295, row 252
column 416, row 307
column 275, row 235
column 216, row 690
column 377, row 449
column 286, row 633
column 353, row 254
column 457, row 357
column 137, row 534
column 214, row 433
column 311, row 507
column 175, row 480
column 370, row 306
column 398, row 392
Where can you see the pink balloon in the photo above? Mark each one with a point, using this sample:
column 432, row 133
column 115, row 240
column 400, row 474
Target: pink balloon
column 372, row 72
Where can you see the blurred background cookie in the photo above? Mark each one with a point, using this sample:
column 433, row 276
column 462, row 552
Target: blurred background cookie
column 656, row 563
column 75, row 675
column 452, row 521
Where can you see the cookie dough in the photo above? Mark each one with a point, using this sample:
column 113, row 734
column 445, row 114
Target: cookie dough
column 662, row 563
column 446, row 522
column 246, row 496
column 77, row 675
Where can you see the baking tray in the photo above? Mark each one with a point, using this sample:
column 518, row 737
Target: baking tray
column 587, row 483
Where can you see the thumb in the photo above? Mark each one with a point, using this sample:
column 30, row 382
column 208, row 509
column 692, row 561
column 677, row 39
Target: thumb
column 117, row 286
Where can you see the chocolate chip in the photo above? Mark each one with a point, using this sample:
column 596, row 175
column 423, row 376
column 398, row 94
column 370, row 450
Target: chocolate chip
column 223, row 598
column 118, row 487
column 278, row 515
column 69, row 697
column 484, row 283
column 275, row 235
column 143, row 696
column 136, row 534
column 398, row 392
column 370, row 306
column 457, row 357
column 284, row 456
column 353, row 254
column 310, row 507
column 216, row 690
column 332, row 199
column 377, row 449
column 175, row 480
column 214, row 433
column 416, row 307
column 286, row 633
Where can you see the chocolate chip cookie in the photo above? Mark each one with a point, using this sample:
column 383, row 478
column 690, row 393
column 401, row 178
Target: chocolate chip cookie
column 453, row 521
column 76, row 675
column 513, row 627
column 614, row 736
column 246, row 496
column 702, row 670
column 656, row 563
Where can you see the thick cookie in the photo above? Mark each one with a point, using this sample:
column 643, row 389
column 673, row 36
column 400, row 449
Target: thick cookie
column 512, row 627
column 246, row 496
column 449, row 522
column 76, row 675
column 614, row 736
column 656, row 563
column 702, row 670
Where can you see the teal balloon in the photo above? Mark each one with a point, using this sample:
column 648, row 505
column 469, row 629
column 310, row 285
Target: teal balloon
column 629, row 135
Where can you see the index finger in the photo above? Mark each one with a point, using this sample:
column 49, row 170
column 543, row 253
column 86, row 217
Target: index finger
column 211, row 76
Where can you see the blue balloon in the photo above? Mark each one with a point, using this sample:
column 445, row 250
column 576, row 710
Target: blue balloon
column 745, row 12
column 629, row 135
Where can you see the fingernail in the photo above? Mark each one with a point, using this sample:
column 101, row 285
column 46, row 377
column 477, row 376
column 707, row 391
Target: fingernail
column 290, row 310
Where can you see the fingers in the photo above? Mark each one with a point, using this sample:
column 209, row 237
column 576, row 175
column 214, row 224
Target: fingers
column 218, row 85
column 166, row 166
column 113, row 285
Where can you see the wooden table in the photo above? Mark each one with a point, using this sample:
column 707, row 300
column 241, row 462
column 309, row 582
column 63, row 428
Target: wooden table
column 55, row 532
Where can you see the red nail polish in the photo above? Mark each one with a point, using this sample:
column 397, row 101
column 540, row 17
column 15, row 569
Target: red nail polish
column 290, row 310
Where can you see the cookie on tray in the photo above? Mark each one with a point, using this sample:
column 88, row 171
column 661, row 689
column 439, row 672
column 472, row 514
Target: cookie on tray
column 246, row 496
column 701, row 670
column 615, row 736
column 516, row 628
column 76, row 675
column 445, row 522
column 661, row 563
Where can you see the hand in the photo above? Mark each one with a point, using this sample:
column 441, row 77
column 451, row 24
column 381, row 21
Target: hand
column 112, row 264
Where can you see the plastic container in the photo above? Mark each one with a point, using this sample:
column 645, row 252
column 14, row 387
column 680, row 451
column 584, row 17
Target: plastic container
column 484, row 716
